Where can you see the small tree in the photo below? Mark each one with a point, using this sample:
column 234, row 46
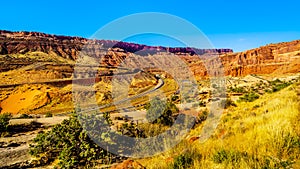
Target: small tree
column 69, row 143
column 249, row 97
column 160, row 111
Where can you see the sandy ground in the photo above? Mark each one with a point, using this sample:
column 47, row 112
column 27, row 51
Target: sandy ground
column 139, row 115
column 22, row 100
column 14, row 149
column 48, row 121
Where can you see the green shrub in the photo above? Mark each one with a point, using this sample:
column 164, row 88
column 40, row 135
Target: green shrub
column 227, row 103
column 48, row 114
column 174, row 98
column 69, row 143
column 256, row 106
column 202, row 104
column 214, row 86
column 132, row 130
column 220, row 156
column 150, row 130
column 182, row 161
column 238, row 89
column 227, row 156
column 160, row 111
column 271, row 163
column 25, row 116
column 276, row 81
column 202, row 116
column 268, row 91
column 4, row 121
column 106, row 115
column 249, row 97
column 278, row 87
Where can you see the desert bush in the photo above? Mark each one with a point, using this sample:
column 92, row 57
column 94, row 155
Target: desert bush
column 214, row 85
column 202, row 116
column 131, row 130
column 25, row 116
column 4, row 121
column 106, row 116
column 280, row 86
column 160, row 111
column 227, row 156
column 268, row 91
column 256, row 106
column 238, row 89
column 270, row 163
column 48, row 114
column 228, row 103
column 202, row 104
column 186, row 158
column 69, row 143
column 182, row 161
column 276, row 81
column 151, row 130
column 174, row 98
column 249, row 97
column 277, row 85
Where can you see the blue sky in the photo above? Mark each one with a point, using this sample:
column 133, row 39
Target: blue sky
column 228, row 24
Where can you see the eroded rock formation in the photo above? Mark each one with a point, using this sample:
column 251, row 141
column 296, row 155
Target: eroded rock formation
column 281, row 57
column 70, row 47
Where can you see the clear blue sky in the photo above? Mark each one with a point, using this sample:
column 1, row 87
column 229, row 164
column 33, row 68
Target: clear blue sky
column 228, row 24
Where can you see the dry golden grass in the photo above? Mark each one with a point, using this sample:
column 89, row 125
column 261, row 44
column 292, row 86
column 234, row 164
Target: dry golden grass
column 259, row 134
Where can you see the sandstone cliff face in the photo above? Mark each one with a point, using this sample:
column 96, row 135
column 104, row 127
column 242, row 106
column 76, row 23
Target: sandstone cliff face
column 280, row 58
column 23, row 42
column 70, row 47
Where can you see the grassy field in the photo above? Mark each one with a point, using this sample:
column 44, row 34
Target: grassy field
column 260, row 134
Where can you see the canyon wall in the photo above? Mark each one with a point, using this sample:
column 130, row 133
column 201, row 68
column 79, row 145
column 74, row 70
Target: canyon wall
column 279, row 58
column 70, row 47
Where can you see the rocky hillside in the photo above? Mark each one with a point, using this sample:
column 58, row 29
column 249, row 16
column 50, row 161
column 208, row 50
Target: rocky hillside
column 273, row 58
column 277, row 58
column 69, row 47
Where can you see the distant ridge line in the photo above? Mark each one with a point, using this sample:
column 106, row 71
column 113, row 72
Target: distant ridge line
column 46, row 39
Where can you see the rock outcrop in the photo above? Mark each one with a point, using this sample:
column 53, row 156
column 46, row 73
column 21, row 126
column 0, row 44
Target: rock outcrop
column 129, row 164
column 280, row 58
column 70, row 47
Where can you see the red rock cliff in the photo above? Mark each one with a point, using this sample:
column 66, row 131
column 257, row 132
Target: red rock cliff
column 280, row 58
column 70, row 47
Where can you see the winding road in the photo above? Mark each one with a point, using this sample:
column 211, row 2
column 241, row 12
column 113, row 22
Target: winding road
column 96, row 107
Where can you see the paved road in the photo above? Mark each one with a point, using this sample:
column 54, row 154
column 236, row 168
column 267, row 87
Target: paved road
column 96, row 107
column 67, row 80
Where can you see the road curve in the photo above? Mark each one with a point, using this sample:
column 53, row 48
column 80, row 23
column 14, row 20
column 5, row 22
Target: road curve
column 96, row 107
